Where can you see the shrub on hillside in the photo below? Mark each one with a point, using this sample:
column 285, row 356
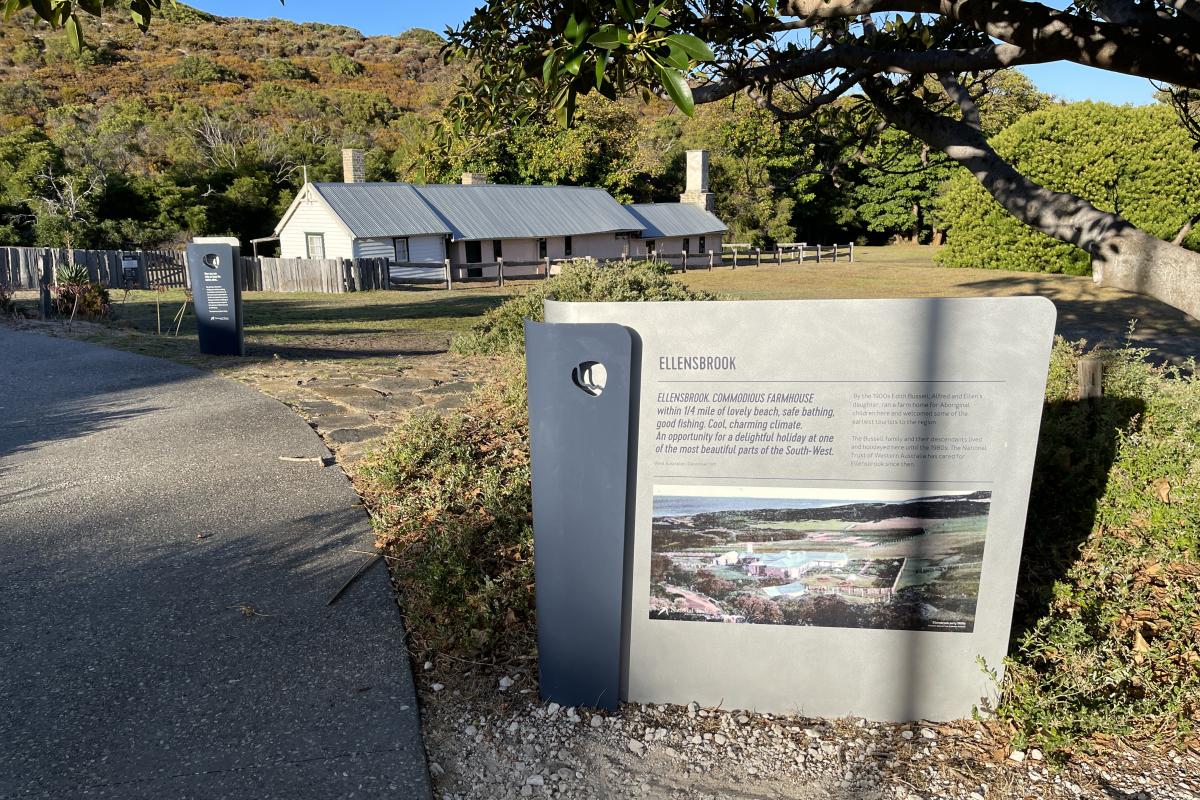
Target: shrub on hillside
column 345, row 66
column 200, row 69
column 502, row 330
column 1138, row 162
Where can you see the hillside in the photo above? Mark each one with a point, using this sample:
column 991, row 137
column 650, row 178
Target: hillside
column 202, row 125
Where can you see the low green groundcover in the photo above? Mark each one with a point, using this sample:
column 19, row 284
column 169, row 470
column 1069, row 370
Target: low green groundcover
column 1106, row 636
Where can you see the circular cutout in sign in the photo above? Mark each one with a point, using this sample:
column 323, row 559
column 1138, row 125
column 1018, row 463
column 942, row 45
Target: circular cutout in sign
column 591, row 377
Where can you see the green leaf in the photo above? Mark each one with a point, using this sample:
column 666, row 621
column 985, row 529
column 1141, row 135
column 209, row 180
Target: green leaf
column 576, row 30
column 10, row 8
column 652, row 14
column 574, row 63
column 626, row 9
column 677, row 58
column 676, row 85
column 694, row 46
column 549, row 68
column 609, row 37
column 601, row 64
column 74, row 33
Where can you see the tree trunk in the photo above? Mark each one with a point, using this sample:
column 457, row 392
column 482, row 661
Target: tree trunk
column 1123, row 256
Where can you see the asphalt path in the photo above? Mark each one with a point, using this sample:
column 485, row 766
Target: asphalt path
column 164, row 631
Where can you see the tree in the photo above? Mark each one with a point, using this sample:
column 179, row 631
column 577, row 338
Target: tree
column 1136, row 162
column 916, row 65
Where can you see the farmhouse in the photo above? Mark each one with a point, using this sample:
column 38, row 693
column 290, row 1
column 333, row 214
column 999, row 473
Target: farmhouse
column 475, row 224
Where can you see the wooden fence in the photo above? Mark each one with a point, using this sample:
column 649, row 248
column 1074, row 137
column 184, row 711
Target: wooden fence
column 21, row 267
column 328, row 275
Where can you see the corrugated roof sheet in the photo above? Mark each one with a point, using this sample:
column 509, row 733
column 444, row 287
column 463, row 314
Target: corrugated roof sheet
column 675, row 219
column 493, row 211
column 374, row 210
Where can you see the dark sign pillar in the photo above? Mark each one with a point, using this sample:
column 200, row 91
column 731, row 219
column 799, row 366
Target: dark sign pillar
column 215, row 272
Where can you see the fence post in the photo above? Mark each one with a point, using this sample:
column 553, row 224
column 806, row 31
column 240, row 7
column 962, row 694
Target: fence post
column 758, row 256
column 779, row 254
column 1091, row 377
column 852, row 252
column 44, row 284
column 547, row 266
column 818, row 254
column 711, row 257
column 734, row 258
column 683, row 259
column 835, row 253
column 449, row 277
column 500, row 271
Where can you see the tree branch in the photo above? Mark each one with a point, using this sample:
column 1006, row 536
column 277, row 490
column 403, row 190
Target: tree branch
column 1156, row 48
column 956, row 92
column 867, row 60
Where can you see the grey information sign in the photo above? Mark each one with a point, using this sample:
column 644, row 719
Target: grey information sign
column 828, row 499
column 215, row 273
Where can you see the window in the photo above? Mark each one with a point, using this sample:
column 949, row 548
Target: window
column 567, row 246
column 541, row 248
column 401, row 250
column 474, row 253
column 649, row 247
column 314, row 245
column 687, row 245
column 497, row 250
column 702, row 250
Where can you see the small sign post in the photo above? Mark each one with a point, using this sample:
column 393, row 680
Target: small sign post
column 215, row 271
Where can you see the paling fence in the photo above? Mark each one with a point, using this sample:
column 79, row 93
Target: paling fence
column 22, row 267
column 328, row 275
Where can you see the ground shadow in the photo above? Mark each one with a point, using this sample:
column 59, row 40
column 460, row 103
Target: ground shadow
column 1076, row 449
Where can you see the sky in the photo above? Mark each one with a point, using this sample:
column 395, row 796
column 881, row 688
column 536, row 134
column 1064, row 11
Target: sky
column 1068, row 81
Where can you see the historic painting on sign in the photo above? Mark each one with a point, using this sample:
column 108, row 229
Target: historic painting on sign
column 843, row 559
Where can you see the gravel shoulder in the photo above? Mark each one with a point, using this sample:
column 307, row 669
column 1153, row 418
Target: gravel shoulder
column 499, row 744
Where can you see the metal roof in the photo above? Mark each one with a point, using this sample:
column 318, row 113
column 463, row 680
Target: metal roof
column 375, row 210
column 495, row 211
column 675, row 219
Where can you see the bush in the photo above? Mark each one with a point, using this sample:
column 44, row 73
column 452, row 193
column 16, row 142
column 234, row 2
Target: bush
column 1110, row 585
column 284, row 69
column 200, row 69
column 451, row 500
column 345, row 66
column 1137, row 162
column 502, row 330
column 82, row 300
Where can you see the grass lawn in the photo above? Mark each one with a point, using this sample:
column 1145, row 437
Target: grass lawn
column 370, row 325
column 1085, row 311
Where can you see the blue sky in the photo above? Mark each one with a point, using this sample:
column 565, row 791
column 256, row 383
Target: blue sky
column 1069, row 81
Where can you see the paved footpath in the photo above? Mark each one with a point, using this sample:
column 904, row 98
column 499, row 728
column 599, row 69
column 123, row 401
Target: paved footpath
column 164, row 631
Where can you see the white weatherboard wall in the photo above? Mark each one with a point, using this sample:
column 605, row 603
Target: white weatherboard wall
column 427, row 249
column 374, row 248
column 313, row 216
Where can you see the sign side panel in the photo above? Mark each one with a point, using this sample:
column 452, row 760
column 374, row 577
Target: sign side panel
column 579, row 401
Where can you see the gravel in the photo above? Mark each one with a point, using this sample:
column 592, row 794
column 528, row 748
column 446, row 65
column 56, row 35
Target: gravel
column 495, row 745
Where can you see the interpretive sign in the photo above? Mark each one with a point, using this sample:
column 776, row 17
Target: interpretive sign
column 825, row 500
column 215, row 273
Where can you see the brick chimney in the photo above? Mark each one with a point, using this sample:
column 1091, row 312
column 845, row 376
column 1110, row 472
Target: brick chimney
column 474, row 178
column 354, row 168
column 696, row 191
